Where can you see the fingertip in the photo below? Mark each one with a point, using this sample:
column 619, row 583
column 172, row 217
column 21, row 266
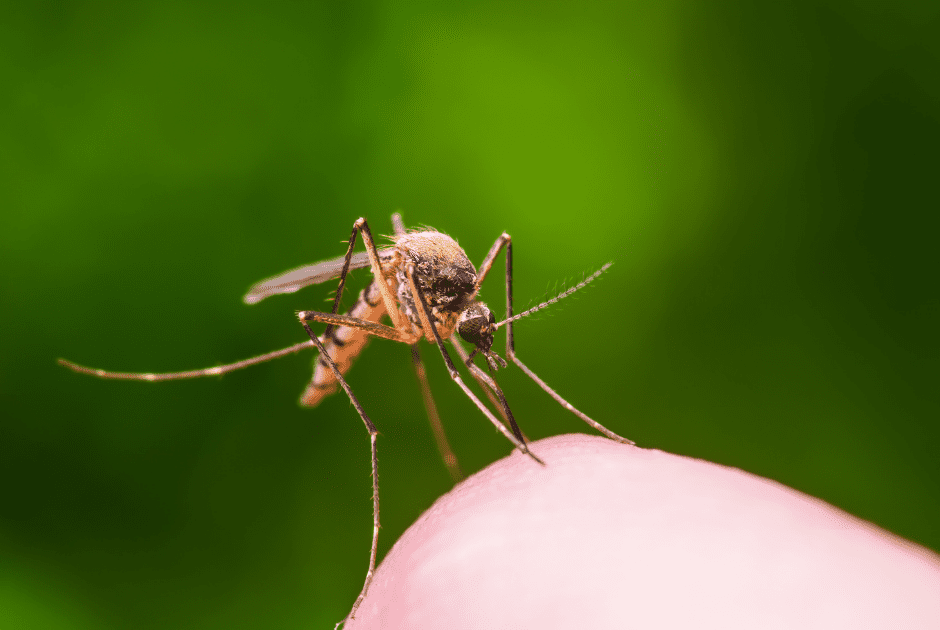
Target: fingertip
column 606, row 533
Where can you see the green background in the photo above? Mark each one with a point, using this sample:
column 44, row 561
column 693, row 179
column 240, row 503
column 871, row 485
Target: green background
column 763, row 177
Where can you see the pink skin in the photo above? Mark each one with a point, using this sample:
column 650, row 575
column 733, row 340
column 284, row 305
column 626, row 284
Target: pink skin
column 614, row 536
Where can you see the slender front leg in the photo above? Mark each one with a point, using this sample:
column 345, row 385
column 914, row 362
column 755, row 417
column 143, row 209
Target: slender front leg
column 467, row 359
column 487, row 381
column 424, row 313
column 511, row 353
column 373, row 433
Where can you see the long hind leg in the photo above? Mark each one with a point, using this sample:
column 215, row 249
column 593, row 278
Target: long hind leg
column 176, row 376
column 373, row 433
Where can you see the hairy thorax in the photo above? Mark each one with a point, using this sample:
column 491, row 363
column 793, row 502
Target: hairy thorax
column 445, row 274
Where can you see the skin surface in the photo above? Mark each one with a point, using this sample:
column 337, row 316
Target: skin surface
column 614, row 536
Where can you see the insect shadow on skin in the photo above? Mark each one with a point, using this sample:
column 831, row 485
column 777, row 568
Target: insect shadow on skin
column 425, row 285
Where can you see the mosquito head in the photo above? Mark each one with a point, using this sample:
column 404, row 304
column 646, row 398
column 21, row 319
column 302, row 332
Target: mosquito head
column 476, row 325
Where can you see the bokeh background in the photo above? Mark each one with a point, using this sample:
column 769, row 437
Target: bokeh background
column 764, row 177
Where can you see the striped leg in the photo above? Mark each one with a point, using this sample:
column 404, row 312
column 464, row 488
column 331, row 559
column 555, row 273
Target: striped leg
column 373, row 433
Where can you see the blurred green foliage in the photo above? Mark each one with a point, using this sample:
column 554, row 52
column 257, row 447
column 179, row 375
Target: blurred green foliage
column 762, row 175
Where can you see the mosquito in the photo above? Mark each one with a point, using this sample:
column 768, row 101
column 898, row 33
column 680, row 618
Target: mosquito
column 426, row 287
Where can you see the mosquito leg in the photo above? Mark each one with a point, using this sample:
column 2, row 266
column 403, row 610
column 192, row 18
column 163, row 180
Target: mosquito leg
column 372, row 328
column 373, row 433
column 175, row 376
column 511, row 355
column 486, row 380
column 361, row 225
column 342, row 279
column 310, row 394
column 503, row 240
column 424, row 313
column 391, row 305
column 450, row 460
column 467, row 359
column 564, row 403
column 343, row 351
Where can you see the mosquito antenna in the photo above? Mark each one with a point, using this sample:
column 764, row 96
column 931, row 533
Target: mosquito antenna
column 175, row 376
column 563, row 294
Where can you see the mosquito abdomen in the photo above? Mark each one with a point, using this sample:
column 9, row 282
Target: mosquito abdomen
column 343, row 345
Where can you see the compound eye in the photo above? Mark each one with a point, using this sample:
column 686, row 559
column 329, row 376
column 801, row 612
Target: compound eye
column 471, row 329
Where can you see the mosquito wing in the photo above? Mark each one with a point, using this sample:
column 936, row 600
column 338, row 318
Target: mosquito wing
column 296, row 279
